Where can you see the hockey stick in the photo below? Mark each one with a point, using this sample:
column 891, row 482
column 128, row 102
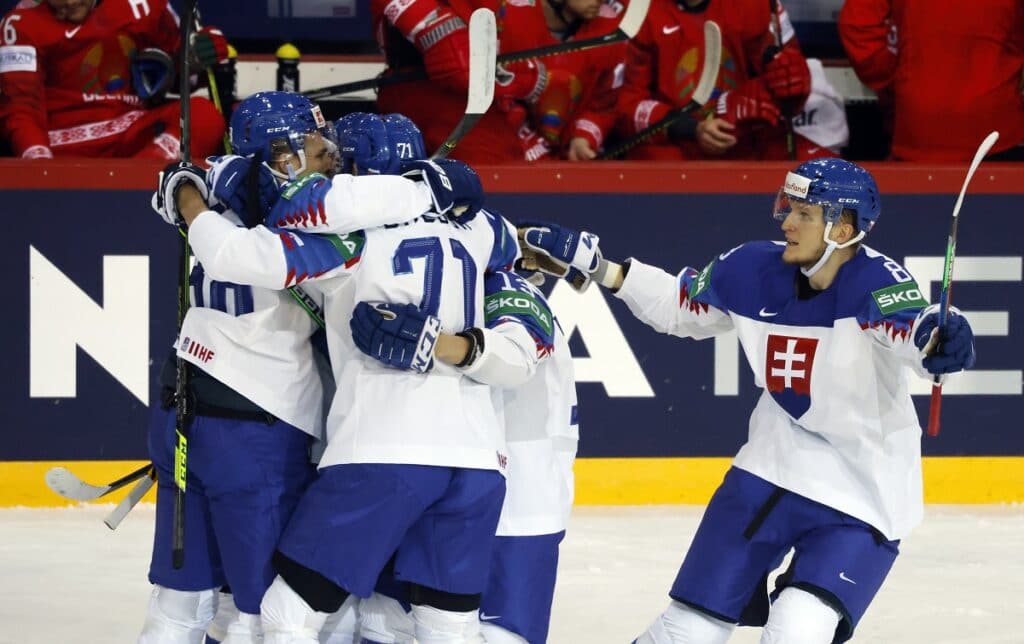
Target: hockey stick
column 935, row 408
column 118, row 514
column 700, row 96
column 483, row 44
column 182, row 411
column 636, row 12
column 67, row 484
column 773, row 6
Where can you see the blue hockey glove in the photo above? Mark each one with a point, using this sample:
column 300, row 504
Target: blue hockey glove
column 398, row 335
column 454, row 186
column 229, row 184
column 152, row 75
column 559, row 251
column 172, row 177
column 953, row 351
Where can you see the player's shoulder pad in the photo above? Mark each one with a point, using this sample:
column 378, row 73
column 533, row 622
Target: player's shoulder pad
column 891, row 291
column 505, row 251
column 509, row 297
column 301, row 202
column 734, row 266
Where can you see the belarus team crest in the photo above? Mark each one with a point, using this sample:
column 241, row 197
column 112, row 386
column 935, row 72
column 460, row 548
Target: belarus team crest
column 787, row 372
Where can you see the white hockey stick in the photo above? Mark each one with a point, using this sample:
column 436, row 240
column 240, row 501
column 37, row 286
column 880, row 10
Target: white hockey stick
column 65, row 483
column 700, row 96
column 483, row 48
column 935, row 408
column 118, row 514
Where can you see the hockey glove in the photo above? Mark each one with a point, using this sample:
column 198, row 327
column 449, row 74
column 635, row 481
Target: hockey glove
column 398, row 335
column 748, row 104
column 171, row 178
column 953, row 351
column 523, row 80
column 229, row 184
column 454, row 186
column 787, row 76
column 209, row 47
column 152, row 75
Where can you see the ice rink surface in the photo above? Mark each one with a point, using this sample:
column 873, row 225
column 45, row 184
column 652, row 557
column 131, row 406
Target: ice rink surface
column 959, row 578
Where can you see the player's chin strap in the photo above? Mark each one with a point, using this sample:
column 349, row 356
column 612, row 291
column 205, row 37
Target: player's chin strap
column 830, row 247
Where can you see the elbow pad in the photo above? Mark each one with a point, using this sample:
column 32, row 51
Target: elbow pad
column 501, row 359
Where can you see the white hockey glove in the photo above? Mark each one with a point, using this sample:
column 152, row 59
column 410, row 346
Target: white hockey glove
column 170, row 179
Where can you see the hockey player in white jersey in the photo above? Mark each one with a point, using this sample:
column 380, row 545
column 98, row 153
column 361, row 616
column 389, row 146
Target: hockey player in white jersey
column 413, row 460
column 257, row 395
column 541, row 432
column 526, row 356
column 832, row 464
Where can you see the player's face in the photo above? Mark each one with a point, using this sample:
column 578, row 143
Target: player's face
column 71, row 10
column 804, row 228
column 584, row 9
column 319, row 155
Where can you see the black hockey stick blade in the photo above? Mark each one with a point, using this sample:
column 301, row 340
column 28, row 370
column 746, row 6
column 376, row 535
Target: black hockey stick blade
column 628, row 27
column 700, row 96
column 483, row 45
column 67, row 484
column 132, row 499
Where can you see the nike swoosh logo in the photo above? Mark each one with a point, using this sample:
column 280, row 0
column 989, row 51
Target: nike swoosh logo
column 669, row 30
column 765, row 313
column 812, row 150
column 484, row 617
column 729, row 252
column 70, row 33
column 842, row 575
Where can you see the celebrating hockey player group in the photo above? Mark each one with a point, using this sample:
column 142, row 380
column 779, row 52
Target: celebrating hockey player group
column 449, row 373
column 444, row 482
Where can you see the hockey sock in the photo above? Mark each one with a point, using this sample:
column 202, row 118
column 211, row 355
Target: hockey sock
column 680, row 624
column 177, row 615
column 436, row 626
column 287, row 618
column 799, row 617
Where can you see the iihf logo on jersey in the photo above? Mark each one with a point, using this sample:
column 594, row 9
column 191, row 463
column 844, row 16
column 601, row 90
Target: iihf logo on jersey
column 193, row 348
column 788, row 364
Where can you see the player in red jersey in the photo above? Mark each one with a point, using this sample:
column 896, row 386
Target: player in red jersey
column 66, row 85
column 758, row 85
column 950, row 80
column 546, row 107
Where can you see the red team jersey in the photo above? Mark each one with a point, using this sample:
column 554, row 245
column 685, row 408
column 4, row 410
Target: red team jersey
column 67, row 87
column 665, row 60
column 508, row 132
column 954, row 71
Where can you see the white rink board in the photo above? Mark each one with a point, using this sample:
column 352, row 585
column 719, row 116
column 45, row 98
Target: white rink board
column 958, row 580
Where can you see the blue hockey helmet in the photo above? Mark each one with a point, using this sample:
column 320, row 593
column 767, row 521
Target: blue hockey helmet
column 835, row 185
column 268, row 124
column 378, row 144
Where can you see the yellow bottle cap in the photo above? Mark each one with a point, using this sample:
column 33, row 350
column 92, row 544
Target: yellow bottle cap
column 288, row 51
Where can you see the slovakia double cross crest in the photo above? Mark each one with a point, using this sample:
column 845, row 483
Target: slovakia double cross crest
column 789, row 361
